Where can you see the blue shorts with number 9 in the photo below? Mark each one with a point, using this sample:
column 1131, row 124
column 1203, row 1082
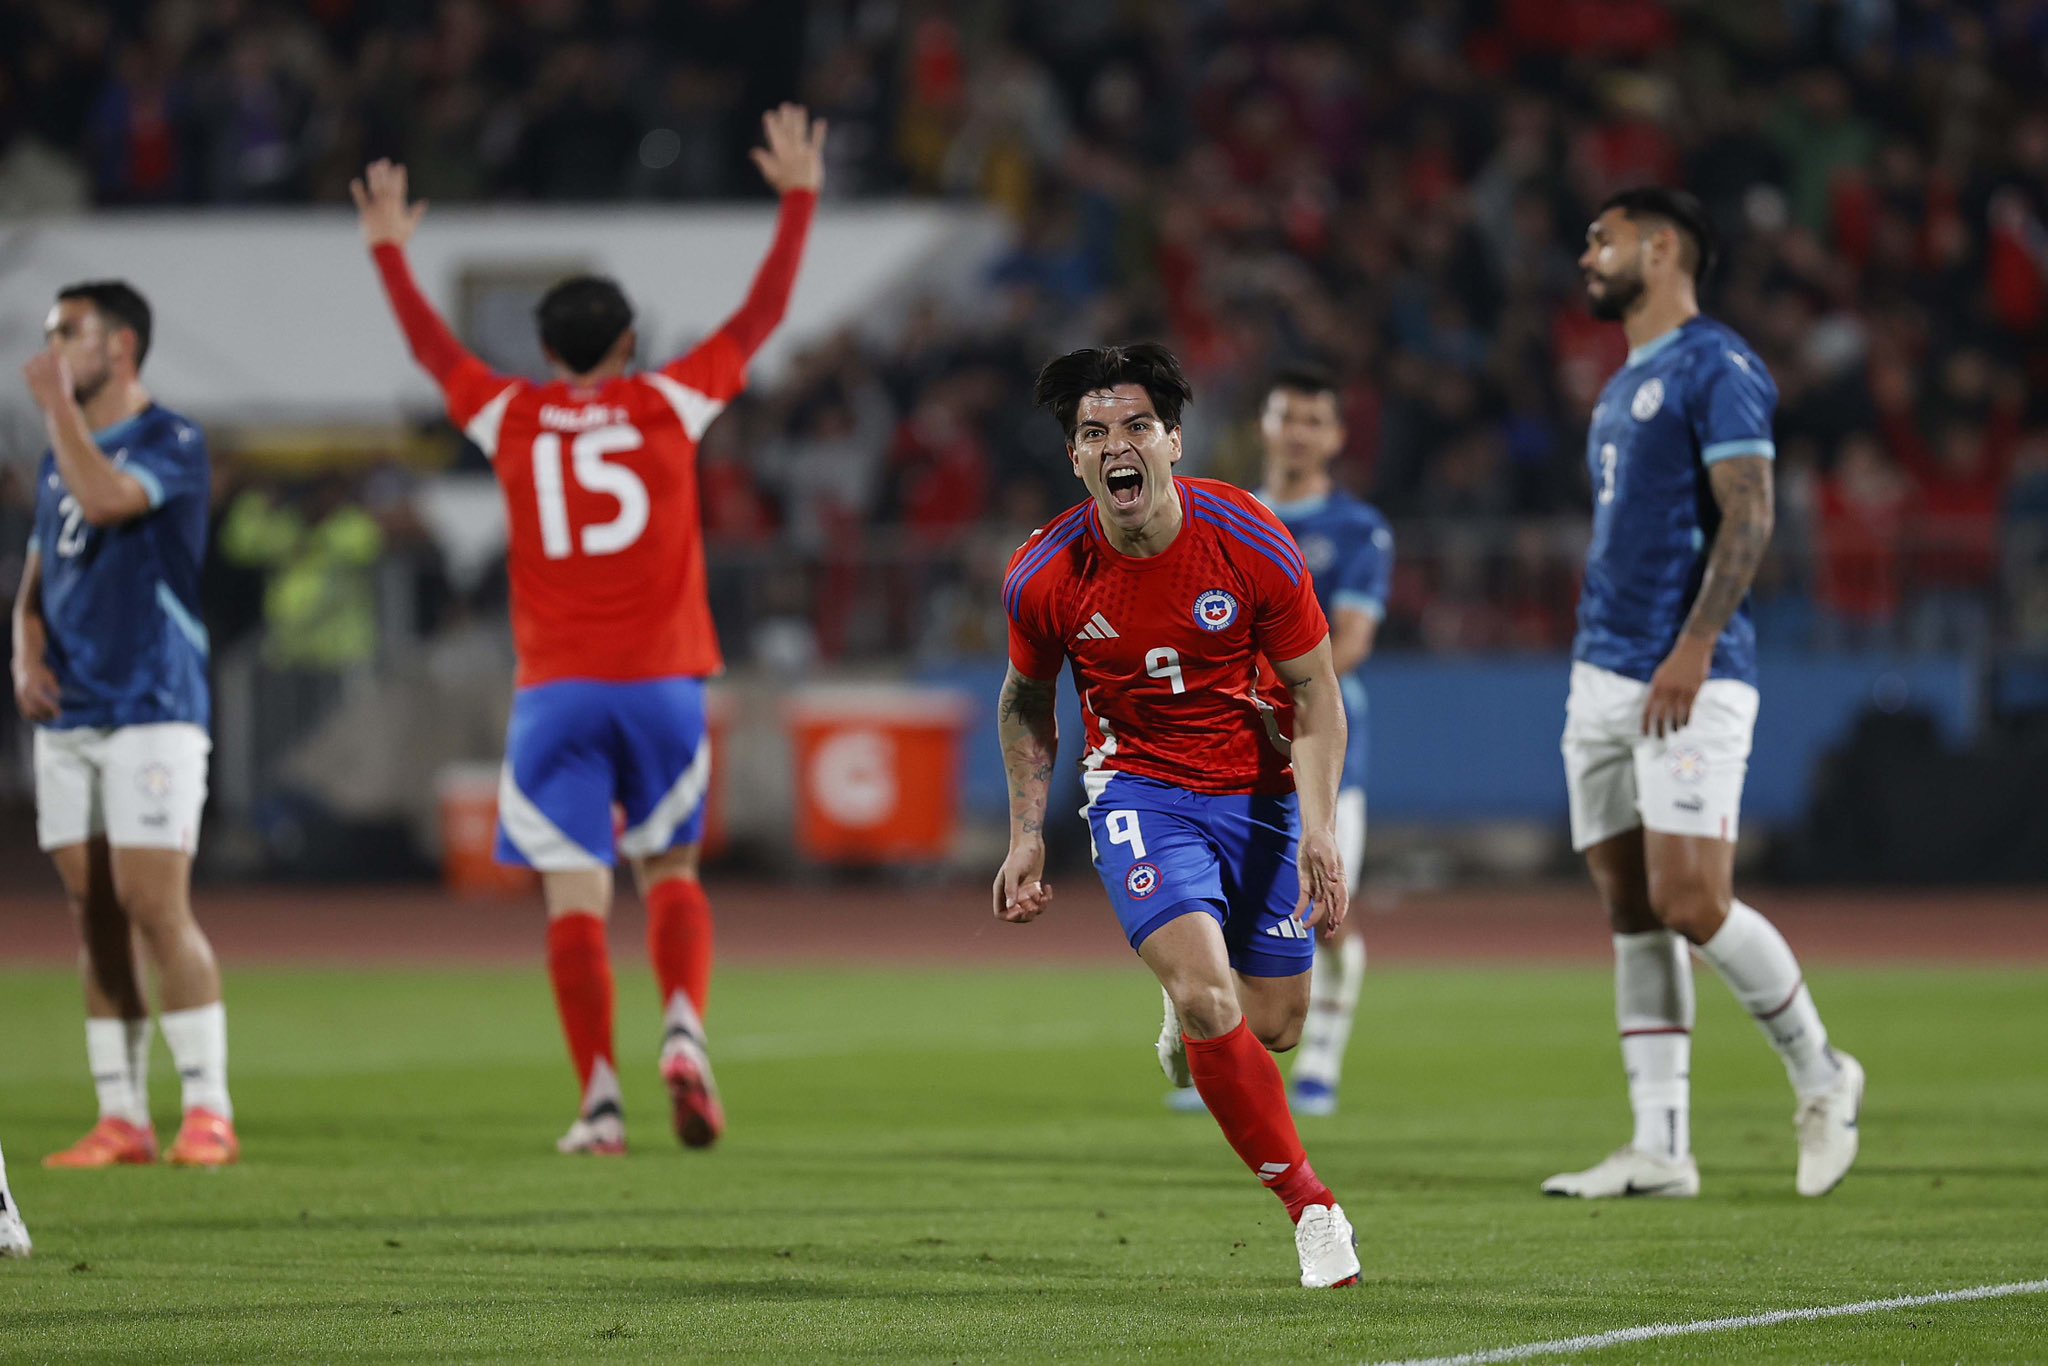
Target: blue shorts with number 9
column 1160, row 847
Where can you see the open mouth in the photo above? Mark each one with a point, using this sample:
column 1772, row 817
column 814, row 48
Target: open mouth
column 1125, row 485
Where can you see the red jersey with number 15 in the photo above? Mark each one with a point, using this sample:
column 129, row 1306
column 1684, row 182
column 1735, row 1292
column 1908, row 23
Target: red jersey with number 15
column 606, row 546
column 606, row 551
column 1165, row 650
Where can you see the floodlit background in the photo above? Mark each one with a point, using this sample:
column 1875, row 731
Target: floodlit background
column 946, row 1135
column 1396, row 190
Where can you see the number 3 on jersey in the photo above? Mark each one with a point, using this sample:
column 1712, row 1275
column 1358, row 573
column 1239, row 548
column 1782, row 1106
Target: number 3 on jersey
column 593, row 472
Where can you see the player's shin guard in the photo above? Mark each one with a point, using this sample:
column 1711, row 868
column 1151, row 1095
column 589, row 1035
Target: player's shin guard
column 1240, row 1082
column 119, row 1075
column 679, row 941
column 198, row 1040
column 1757, row 963
column 579, row 966
column 1334, row 988
column 1653, row 1005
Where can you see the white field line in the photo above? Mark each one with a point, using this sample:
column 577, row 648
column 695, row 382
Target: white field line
column 1593, row 1342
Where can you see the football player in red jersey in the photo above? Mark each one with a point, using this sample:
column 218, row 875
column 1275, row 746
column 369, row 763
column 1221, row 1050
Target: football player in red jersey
column 610, row 616
column 1163, row 594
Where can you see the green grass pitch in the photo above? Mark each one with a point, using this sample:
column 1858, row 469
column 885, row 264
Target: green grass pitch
column 976, row 1166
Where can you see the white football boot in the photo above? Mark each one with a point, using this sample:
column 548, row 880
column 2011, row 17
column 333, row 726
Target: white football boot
column 1629, row 1171
column 1173, row 1048
column 1828, row 1136
column 1328, row 1248
column 602, row 1133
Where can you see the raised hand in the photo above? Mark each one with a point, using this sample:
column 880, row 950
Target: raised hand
column 381, row 207
column 48, row 377
column 794, row 158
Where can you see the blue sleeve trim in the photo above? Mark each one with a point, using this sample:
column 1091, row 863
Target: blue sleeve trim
column 151, row 485
column 1230, row 529
column 1729, row 450
column 1053, row 541
column 1352, row 600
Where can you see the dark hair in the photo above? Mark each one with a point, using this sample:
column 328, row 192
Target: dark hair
column 1681, row 211
column 118, row 303
column 1309, row 380
column 1068, row 379
column 581, row 318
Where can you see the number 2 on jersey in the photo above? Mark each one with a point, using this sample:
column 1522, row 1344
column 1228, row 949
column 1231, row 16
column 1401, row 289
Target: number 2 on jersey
column 592, row 471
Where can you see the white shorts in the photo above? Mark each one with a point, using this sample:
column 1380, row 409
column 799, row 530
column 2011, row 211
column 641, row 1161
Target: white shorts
column 1688, row 783
column 140, row 786
column 1351, row 832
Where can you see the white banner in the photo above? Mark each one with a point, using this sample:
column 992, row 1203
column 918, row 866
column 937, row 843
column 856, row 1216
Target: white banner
column 277, row 317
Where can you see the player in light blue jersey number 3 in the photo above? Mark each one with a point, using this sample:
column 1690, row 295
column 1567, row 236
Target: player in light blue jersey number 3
column 1663, row 699
column 1349, row 550
column 110, row 664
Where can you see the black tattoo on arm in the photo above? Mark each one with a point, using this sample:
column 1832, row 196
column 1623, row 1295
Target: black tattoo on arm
column 1742, row 488
column 1030, row 738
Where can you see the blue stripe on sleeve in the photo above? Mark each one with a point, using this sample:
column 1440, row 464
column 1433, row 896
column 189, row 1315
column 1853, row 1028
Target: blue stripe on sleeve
column 1277, row 548
column 1041, row 555
column 1203, row 515
column 1729, row 450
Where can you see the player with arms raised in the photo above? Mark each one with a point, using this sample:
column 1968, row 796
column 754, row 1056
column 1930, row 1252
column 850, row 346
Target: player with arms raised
column 110, row 663
column 610, row 617
column 1663, row 699
column 1163, row 594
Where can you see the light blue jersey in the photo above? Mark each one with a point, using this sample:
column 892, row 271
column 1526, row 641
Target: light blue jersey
column 122, row 602
column 1694, row 396
column 1349, row 550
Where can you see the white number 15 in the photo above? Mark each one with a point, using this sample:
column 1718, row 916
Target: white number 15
column 593, row 472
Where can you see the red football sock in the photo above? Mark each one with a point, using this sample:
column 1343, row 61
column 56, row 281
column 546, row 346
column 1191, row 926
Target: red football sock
column 1241, row 1085
column 679, row 940
column 579, row 964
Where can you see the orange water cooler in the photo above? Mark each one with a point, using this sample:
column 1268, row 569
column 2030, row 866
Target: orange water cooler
column 468, row 800
column 877, row 773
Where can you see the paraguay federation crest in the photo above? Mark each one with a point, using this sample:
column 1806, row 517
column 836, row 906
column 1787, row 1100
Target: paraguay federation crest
column 1141, row 881
column 1215, row 609
column 1688, row 764
column 1649, row 398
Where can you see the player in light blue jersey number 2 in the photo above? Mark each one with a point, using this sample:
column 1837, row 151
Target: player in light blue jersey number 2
column 1349, row 550
column 1663, row 699
column 110, row 664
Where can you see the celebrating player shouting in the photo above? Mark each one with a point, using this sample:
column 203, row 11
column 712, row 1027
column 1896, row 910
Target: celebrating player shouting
column 1164, row 593
column 610, row 617
column 1663, row 700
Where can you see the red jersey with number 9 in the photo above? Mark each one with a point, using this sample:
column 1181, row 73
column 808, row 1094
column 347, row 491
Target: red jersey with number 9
column 606, row 549
column 1165, row 650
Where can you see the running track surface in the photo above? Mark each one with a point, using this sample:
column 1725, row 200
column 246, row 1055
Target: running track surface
column 952, row 925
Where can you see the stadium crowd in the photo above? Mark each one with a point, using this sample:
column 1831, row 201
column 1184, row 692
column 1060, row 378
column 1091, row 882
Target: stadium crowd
column 1396, row 190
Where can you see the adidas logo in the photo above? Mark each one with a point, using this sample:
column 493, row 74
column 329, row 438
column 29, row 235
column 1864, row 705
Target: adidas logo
column 1289, row 928
column 1098, row 628
column 1269, row 1172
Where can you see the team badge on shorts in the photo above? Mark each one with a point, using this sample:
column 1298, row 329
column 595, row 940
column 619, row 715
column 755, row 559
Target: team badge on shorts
column 1688, row 764
column 1215, row 610
column 154, row 781
column 1649, row 398
column 1141, row 881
